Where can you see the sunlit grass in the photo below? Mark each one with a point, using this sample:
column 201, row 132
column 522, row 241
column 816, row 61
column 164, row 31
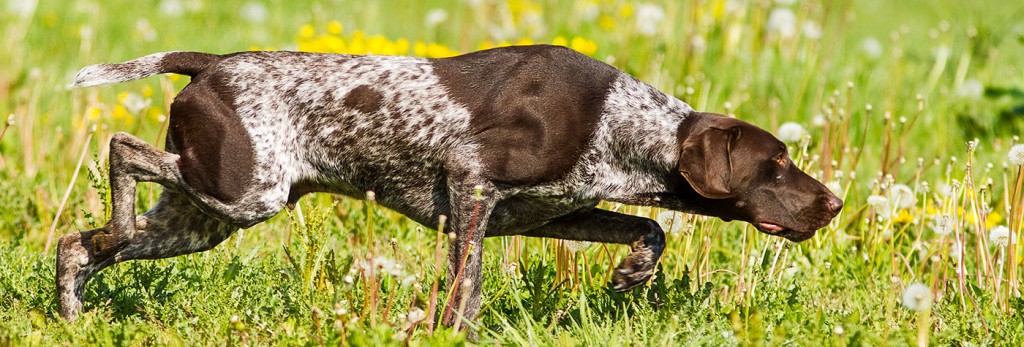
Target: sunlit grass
column 910, row 111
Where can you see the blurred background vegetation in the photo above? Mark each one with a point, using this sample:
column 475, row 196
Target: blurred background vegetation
column 885, row 97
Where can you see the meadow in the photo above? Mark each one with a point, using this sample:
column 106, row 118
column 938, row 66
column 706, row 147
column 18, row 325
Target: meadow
column 910, row 111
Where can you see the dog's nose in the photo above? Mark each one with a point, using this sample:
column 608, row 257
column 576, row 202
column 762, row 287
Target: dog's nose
column 834, row 203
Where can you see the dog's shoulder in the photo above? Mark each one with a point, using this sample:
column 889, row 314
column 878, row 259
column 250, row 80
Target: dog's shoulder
column 534, row 108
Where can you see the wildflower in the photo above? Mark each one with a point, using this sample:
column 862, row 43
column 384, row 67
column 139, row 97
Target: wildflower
column 415, row 315
column 903, row 217
column 254, row 12
column 917, row 297
column 942, row 224
column 576, row 246
column 144, row 30
column 971, row 89
column 648, row 16
column 791, row 132
column 171, row 8
column 435, row 17
column 782, row 21
column 670, row 221
column 1000, row 236
column 881, row 206
column 583, row 45
column 22, row 8
column 812, row 30
column 902, row 195
column 1016, row 155
column 871, row 47
column 509, row 268
column 835, row 187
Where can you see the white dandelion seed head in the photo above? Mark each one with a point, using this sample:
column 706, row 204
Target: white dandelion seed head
column 782, row 21
column 902, row 196
column 575, row 246
column 917, row 297
column 971, row 89
column 1016, row 155
column 254, row 12
column 648, row 16
column 871, row 48
column 435, row 17
column 791, row 132
column 942, row 224
column 954, row 252
column 171, row 8
column 134, row 102
column 812, row 30
column 1000, row 236
column 880, row 205
column 670, row 221
column 835, row 187
column 415, row 315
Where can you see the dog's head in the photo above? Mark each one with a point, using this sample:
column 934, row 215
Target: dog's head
column 747, row 174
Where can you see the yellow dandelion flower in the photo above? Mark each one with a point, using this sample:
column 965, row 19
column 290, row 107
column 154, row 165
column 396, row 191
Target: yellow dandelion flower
column 606, row 22
column 419, row 49
column 307, row 31
column 155, row 114
column 119, row 112
column 122, row 97
column 526, row 41
column 401, row 46
column 93, row 113
column 583, row 45
column 993, row 219
column 335, row 27
column 903, row 217
column 625, row 11
column 485, row 44
column 560, row 41
column 147, row 91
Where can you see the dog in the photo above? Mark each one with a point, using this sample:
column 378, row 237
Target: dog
column 523, row 140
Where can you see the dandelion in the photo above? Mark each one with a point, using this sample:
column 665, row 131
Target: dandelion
column 1016, row 155
column 902, row 195
column 917, row 297
column 144, row 30
column 22, row 8
column 871, row 48
column 880, row 205
column 648, row 16
column 254, row 12
column 435, row 17
column 171, row 8
column 415, row 315
column 942, row 224
column 670, row 221
column 791, row 132
column 782, row 21
column 812, row 30
column 1000, row 236
column 971, row 89
column 835, row 187
column 576, row 246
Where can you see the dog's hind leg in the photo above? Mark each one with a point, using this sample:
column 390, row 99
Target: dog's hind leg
column 644, row 236
column 173, row 227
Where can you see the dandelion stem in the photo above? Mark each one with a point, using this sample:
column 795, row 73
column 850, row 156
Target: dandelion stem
column 67, row 193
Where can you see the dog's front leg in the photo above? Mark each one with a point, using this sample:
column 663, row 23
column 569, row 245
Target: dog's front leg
column 471, row 200
column 643, row 235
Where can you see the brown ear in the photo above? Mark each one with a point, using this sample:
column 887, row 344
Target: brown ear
column 705, row 161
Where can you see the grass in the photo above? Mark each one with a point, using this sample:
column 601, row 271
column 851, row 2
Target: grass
column 909, row 109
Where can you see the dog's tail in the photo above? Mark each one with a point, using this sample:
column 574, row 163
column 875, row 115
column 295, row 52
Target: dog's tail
column 184, row 63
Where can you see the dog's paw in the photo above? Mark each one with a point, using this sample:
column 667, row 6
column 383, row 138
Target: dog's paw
column 635, row 270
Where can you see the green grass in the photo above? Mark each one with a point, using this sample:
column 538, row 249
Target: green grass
column 945, row 72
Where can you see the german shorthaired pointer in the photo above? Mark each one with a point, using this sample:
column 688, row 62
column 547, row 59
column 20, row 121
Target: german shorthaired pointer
column 543, row 132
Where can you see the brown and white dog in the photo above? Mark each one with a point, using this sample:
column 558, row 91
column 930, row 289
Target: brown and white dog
column 543, row 132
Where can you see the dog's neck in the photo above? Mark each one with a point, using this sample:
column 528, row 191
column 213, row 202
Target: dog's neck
column 636, row 149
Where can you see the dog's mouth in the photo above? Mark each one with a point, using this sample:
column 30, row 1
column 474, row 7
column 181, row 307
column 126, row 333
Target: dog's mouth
column 778, row 230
